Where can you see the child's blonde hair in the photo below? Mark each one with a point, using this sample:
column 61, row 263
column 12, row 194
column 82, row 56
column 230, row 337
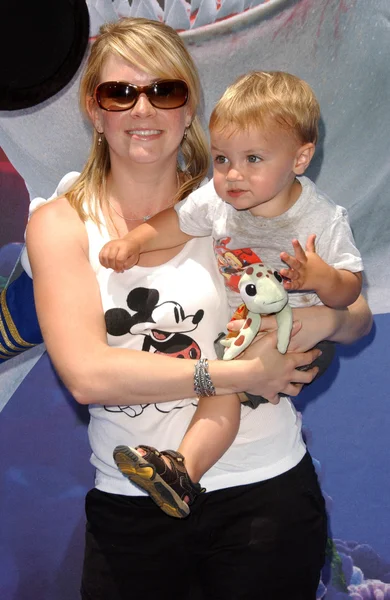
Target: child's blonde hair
column 261, row 98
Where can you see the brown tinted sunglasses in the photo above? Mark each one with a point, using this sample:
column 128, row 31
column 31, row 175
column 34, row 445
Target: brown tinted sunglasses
column 117, row 96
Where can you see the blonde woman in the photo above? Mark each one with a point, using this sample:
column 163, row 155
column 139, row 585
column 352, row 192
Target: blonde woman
column 263, row 509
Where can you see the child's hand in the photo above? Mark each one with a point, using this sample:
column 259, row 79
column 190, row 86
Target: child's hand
column 304, row 266
column 119, row 255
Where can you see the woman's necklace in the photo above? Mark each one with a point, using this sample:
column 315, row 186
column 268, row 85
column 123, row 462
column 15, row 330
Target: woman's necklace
column 146, row 217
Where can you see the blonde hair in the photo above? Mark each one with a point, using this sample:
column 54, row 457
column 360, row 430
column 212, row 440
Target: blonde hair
column 263, row 98
column 158, row 50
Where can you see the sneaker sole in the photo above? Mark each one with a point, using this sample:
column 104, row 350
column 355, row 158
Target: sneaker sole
column 143, row 474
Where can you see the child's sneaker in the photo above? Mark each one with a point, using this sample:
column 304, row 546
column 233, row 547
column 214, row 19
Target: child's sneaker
column 167, row 486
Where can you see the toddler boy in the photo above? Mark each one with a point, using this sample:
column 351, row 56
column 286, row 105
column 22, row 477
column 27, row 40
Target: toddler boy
column 263, row 134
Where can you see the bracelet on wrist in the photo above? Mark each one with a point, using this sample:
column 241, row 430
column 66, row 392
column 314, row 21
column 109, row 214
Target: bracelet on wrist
column 203, row 386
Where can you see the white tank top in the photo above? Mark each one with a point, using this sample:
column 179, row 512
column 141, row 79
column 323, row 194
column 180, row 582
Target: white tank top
column 179, row 308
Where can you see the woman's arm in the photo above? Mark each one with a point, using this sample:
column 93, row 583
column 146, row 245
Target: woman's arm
column 319, row 323
column 71, row 317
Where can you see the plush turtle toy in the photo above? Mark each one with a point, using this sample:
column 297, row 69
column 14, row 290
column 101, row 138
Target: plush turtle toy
column 262, row 291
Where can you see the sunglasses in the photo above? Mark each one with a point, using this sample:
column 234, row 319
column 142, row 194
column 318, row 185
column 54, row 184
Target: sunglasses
column 119, row 95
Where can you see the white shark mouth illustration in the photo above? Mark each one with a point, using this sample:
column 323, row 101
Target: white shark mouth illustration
column 186, row 16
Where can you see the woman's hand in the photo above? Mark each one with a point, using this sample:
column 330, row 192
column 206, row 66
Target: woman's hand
column 308, row 335
column 273, row 373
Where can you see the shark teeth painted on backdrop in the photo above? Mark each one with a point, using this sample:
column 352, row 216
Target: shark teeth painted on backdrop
column 182, row 15
column 177, row 14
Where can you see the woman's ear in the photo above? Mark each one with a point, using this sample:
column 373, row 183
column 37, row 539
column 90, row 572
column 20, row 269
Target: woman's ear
column 94, row 114
column 188, row 117
column 303, row 157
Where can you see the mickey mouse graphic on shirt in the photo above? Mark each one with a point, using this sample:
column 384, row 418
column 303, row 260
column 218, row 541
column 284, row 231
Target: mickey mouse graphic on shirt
column 169, row 338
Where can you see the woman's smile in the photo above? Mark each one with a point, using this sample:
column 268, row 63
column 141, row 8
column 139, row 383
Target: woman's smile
column 144, row 134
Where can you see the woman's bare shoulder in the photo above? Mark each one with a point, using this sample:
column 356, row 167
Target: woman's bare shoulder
column 55, row 217
column 55, row 228
column 59, row 208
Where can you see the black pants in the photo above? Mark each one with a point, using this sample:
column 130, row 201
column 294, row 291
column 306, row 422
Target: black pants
column 262, row 541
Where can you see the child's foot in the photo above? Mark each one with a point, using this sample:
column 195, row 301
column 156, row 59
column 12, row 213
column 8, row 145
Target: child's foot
column 162, row 475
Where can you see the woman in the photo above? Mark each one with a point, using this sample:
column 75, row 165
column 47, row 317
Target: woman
column 262, row 525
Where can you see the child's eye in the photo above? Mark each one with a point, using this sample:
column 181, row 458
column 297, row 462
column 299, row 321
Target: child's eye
column 252, row 158
column 220, row 159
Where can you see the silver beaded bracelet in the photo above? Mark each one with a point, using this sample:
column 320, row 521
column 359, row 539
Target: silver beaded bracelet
column 203, row 386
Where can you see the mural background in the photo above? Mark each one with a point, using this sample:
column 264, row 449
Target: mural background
column 341, row 48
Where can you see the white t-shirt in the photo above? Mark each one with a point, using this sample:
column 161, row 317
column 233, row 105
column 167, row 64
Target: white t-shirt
column 241, row 238
column 178, row 308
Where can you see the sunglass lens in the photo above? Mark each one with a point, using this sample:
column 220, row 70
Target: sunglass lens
column 169, row 94
column 116, row 96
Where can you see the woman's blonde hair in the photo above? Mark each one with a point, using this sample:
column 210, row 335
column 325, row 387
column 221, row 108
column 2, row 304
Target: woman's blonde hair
column 157, row 49
column 263, row 98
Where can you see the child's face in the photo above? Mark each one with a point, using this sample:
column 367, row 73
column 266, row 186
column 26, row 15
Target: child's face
column 255, row 170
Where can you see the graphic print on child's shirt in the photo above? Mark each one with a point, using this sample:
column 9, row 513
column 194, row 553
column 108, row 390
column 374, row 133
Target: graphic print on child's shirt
column 233, row 262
